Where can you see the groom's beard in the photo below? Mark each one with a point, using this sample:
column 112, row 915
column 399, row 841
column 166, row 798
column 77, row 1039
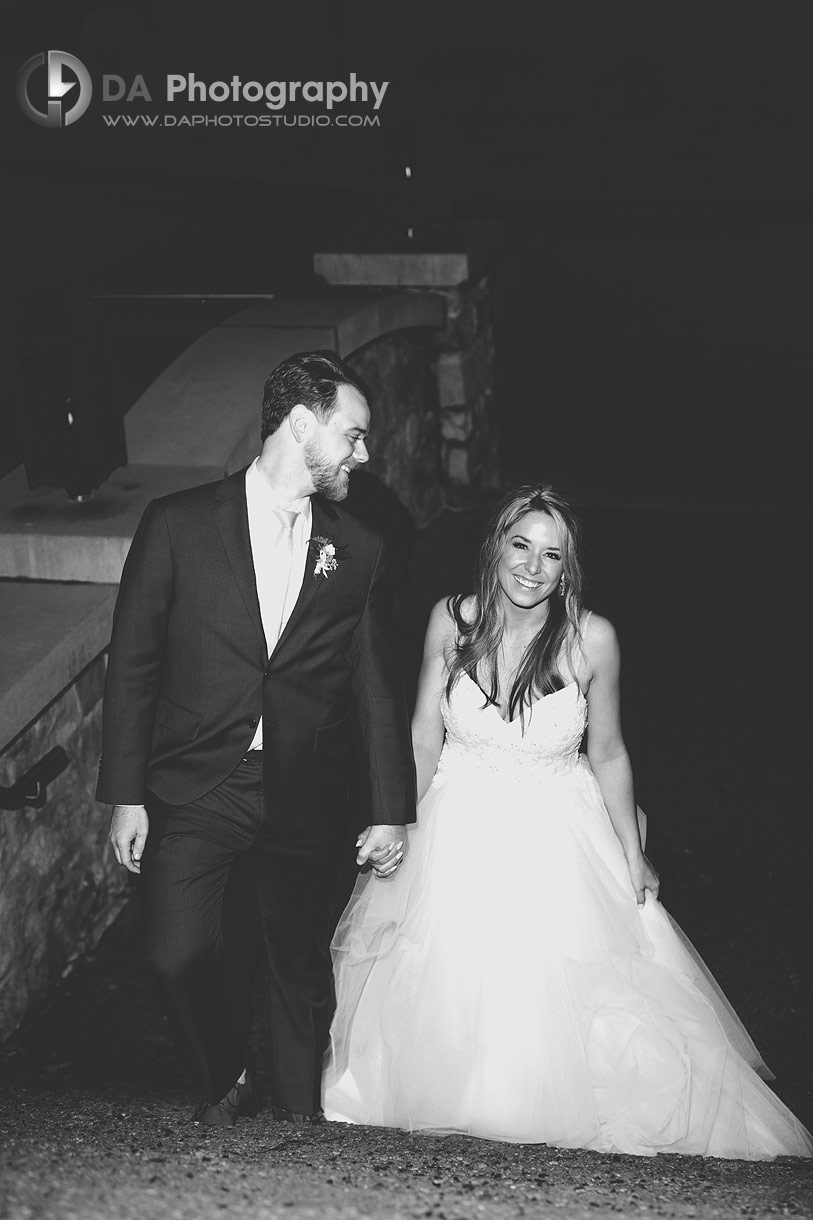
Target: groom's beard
column 329, row 479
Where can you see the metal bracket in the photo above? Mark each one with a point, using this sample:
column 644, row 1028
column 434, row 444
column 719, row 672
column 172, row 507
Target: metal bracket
column 29, row 791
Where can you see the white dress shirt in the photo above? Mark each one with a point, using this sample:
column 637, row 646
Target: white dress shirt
column 279, row 561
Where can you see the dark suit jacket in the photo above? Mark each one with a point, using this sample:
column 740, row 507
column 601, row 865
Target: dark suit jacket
column 189, row 676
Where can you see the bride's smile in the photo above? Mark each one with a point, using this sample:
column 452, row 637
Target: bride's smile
column 530, row 566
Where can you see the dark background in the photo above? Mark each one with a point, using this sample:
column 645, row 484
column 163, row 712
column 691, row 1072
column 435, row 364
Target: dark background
column 650, row 161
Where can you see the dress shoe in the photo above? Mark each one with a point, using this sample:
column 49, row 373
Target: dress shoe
column 301, row 1120
column 242, row 1100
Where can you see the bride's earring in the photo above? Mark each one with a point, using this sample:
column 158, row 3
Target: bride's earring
column 562, row 586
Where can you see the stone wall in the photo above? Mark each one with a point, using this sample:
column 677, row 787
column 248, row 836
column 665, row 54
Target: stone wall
column 404, row 441
column 59, row 884
column 457, row 271
column 465, row 375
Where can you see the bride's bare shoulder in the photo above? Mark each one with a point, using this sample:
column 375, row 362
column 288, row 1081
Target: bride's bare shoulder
column 444, row 620
column 455, row 608
column 599, row 640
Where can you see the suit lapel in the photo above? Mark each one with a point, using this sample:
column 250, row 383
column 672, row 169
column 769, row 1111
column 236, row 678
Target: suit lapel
column 325, row 523
column 231, row 519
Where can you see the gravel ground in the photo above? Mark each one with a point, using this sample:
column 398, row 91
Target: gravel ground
column 72, row 1157
column 95, row 1105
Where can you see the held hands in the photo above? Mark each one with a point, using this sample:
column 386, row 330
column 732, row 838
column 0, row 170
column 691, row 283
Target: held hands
column 383, row 847
column 643, row 878
column 129, row 827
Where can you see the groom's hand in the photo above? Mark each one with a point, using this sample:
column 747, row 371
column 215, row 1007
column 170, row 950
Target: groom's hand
column 383, row 846
column 129, row 827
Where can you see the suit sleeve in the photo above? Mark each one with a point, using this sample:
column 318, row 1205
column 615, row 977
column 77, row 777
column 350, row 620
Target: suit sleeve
column 381, row 707
column 135, row 662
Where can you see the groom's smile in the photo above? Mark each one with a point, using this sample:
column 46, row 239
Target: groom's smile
column 336, row 446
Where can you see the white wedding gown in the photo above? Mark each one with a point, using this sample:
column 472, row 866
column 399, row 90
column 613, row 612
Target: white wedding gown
column 504, row 982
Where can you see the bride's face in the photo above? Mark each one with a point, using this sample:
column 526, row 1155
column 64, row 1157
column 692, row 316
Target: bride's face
column 531, row 561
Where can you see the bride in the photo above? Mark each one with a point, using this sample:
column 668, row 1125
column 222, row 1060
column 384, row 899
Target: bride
column 515, row 977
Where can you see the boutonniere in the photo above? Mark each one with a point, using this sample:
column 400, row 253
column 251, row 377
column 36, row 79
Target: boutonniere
column 326, row 560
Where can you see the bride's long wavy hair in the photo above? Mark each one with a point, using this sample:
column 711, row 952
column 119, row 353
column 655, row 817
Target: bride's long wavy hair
column 479, row 635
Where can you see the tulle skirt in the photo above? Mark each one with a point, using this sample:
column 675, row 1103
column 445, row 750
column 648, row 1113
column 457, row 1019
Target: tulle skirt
column 505, row 984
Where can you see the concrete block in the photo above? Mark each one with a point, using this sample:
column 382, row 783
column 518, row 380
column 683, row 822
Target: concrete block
column 44, row 536
column 395, row 270
column 440, row 257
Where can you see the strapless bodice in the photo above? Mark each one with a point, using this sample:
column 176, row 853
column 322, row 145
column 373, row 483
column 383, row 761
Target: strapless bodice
column 478, row 737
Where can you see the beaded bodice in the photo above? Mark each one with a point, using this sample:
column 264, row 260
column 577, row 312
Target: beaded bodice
column 478, row 737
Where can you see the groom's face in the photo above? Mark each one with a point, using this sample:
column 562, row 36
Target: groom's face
column 336, row 445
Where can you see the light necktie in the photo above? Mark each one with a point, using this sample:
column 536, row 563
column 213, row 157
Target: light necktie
column 286, row 557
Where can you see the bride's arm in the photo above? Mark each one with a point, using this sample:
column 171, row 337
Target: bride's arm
column 607, row 752
column 427, row 723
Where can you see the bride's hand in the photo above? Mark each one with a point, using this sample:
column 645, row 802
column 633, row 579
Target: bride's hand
column 383, row 847
column 643, row 878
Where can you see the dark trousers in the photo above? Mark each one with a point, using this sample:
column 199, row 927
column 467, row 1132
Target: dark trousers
column 216, row 888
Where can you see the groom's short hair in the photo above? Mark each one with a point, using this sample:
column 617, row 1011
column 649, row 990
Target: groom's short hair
column 311, row 378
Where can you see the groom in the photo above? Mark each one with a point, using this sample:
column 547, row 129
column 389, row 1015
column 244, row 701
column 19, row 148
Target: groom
column 251, row 624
